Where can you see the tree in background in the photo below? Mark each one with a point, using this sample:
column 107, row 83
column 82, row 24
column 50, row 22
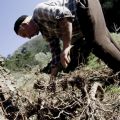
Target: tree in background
column 111, row 10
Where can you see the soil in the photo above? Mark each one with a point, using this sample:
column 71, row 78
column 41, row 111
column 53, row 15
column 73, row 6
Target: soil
column 84, row 94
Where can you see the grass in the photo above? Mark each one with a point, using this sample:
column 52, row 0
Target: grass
column 113, row 89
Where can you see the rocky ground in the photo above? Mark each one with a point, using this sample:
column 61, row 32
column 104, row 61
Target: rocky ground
column 84, row 94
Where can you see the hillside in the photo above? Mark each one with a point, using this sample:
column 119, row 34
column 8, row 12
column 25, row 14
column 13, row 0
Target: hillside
column 35, row 45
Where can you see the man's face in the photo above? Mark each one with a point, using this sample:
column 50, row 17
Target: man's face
column 23, row 32
column 27, row 29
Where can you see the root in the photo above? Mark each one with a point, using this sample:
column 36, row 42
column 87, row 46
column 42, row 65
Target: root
column 79, row 96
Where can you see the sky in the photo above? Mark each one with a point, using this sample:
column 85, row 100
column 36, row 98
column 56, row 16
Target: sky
column 10, row 10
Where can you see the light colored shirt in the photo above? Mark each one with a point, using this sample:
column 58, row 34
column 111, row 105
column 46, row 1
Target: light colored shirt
column 47, row 15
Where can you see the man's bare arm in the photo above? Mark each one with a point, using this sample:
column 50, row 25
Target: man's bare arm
column 66, row 32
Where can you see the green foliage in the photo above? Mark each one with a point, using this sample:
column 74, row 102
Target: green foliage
column 20, row 61
column 24, row 57
column 113, row 89
column 43, row 59
column 36, row 45
column 107, row 4
column 94, row 62
column 111, row 10
column 116, row 37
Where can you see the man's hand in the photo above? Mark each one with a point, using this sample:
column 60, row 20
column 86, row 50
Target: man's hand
column 65, row 56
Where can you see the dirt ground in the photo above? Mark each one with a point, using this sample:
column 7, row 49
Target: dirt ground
column 84, row 94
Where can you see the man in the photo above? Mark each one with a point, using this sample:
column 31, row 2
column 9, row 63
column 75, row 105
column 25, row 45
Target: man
column 65, row 19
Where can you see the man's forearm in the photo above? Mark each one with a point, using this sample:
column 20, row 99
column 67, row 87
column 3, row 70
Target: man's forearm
column 66, row 32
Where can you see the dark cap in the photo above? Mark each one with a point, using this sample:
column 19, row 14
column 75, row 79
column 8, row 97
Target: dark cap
column 18, row 22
